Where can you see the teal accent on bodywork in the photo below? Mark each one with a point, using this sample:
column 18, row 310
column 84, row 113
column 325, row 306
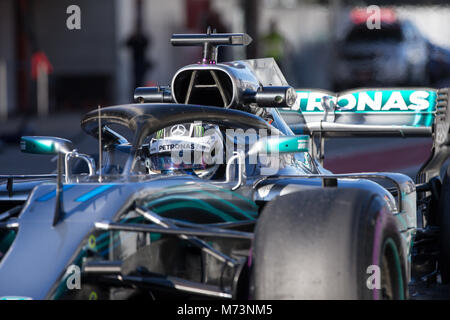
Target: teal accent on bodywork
column 386, row 95
column 171, row 198
column 251, row 215
column 421, row 104
column 401, row 220
column 102, row 236
column 183, row 193
column 405, row 104
column 93, row 193
column 15, row 298
column 181, row 201
column 205, row 187
column 7, row 241
column 45, row 145
column 287, row 144
column 250, row 202
column 37, row 145
column 155, row 237
column 102, row 241
column 426, row 119
column 101, row 244
column 191, row 204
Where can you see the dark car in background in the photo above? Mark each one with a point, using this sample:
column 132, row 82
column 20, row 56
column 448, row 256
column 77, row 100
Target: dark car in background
column 393, row 55
column 438, row 65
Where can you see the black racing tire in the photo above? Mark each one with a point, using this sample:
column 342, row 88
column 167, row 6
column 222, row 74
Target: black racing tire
column 319, row 243
column 444, row 225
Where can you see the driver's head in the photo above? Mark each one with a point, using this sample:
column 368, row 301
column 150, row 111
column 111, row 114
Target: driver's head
column 189, row 147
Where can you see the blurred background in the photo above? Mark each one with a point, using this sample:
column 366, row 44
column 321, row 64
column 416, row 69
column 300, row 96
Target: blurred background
column 50, row 73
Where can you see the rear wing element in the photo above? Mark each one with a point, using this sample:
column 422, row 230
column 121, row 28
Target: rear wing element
column 390, row 112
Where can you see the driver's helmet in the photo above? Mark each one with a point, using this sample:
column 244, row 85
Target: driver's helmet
column 193, row 148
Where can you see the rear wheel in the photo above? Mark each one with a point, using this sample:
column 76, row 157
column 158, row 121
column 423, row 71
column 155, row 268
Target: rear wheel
column 392, row 286
column 444, row 225
column 328, row 244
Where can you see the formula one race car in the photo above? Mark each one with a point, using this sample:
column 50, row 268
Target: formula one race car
column 202, row 190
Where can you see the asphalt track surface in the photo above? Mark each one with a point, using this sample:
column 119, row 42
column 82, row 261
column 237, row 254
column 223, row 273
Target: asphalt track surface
column 341, row 156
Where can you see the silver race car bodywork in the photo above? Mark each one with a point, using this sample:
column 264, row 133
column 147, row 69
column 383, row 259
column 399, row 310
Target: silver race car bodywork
column 130, row 232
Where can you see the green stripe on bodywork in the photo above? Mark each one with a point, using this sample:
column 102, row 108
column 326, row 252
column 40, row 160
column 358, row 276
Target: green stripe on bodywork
column 105, row 243
column 402, row 220
column 188, row 202
column 252, row 203
column 248, row 214
column 209, row 187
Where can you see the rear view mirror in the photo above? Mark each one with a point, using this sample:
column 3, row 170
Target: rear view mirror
column 45, row 145
column 286, row 144
column 281, row 144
